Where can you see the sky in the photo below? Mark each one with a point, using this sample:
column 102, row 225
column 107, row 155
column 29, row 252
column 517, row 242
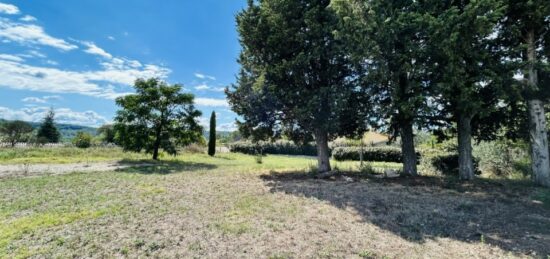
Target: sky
column 77, row 57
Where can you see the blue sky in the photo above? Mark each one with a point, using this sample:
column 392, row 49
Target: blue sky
column 78, row 56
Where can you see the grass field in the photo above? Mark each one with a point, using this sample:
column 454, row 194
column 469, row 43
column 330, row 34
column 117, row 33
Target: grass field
column 229, row 206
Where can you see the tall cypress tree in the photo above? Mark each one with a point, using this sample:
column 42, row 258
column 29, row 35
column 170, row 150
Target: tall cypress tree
column 212, row 139
column 387, row 39
column 525, row 37
column 465, row 66
column 299, row 73
column 47, row 132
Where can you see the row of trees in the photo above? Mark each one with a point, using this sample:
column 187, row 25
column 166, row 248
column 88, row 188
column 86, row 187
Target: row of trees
column 322, row 69
column 17, row 131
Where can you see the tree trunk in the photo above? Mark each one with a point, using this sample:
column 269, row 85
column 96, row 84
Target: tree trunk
column 465, row 160
column 323, row 156
column 156, row 145
column 407, row 148
column 540, row 163
column 539, row 143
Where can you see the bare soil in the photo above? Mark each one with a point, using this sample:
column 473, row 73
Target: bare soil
column 34, row 170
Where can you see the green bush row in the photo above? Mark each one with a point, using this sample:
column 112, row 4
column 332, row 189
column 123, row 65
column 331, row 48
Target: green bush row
column 281, row 147
column 378, row 154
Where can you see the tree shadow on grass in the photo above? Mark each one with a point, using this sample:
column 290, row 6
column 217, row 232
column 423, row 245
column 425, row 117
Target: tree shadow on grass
column 501, row 213
column 162, row 167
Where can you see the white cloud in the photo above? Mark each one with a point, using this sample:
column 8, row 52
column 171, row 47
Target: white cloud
column 31, row 34
column 103, row 82
column 28, row 18
column 99, row 83
column 95, row 50
column 44, row 99
column 8, row 9
column 33, row 100
column 111, row 37
column 211, row 102
column 62, row 115
column 51, row 62
column 206, row 87
column 229, row 126
column 202, row 87
column 203, row 76
column 11, row 57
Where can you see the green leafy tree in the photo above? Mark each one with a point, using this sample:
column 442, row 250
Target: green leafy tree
column 387, row 39
column 48, row 132
column 465, row 66
column 295, row 75
column 212, row 137
column 107, row 133
column 15, row 131
column 525, row 37
column 157, row 116
column 82, row 140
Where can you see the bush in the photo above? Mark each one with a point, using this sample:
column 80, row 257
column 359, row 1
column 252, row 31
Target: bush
column 502, row 159
column 195, row 148
column 280, row 147
column 380, row 154
column 82, row 140
column 434, row 162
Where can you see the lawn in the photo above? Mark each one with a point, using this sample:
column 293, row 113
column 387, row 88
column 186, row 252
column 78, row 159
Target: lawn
column 230, row 206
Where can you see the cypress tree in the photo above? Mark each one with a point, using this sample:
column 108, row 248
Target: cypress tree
column 212, row 140
column 48, row 133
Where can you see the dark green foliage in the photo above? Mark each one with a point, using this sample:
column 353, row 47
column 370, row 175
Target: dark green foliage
column 280, row 147
column 295, row 77
column 48, row 132
column 387, row 40
column 375, row 154
column 14, row 132
column 82, row 140
column 107, row 133
column 157, row 116
column 212, row 137
column 446, row 163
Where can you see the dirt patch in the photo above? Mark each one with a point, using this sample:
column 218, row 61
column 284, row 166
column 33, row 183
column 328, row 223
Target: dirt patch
column 33, row 170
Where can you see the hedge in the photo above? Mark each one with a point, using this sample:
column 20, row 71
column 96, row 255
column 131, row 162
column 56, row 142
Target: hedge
column 381, row 154
column 281, row 147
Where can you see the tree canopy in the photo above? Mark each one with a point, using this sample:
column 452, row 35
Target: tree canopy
column 15, row 131
column 157, row 116
column 295, row 75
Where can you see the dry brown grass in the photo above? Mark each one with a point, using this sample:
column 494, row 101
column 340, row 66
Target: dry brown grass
column 199, row 211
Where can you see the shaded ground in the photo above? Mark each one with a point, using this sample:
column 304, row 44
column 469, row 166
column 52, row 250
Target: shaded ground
column 421, row 209
column 230, row 207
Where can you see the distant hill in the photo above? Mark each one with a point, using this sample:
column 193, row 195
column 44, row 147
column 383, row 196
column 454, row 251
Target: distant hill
column 68, row 131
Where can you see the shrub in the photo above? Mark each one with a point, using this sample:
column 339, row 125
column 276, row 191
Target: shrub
column 280, row 147
column 502, row 159
column 82, row 140
column 435, row 162
column 381, row 154
column 195, row 148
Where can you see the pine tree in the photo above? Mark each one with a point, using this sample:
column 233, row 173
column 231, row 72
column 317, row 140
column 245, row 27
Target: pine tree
column 387, row 39
column 48, row 132
column 295, row 75
column 525, row 36
column 465, row 66
column 212, row 139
